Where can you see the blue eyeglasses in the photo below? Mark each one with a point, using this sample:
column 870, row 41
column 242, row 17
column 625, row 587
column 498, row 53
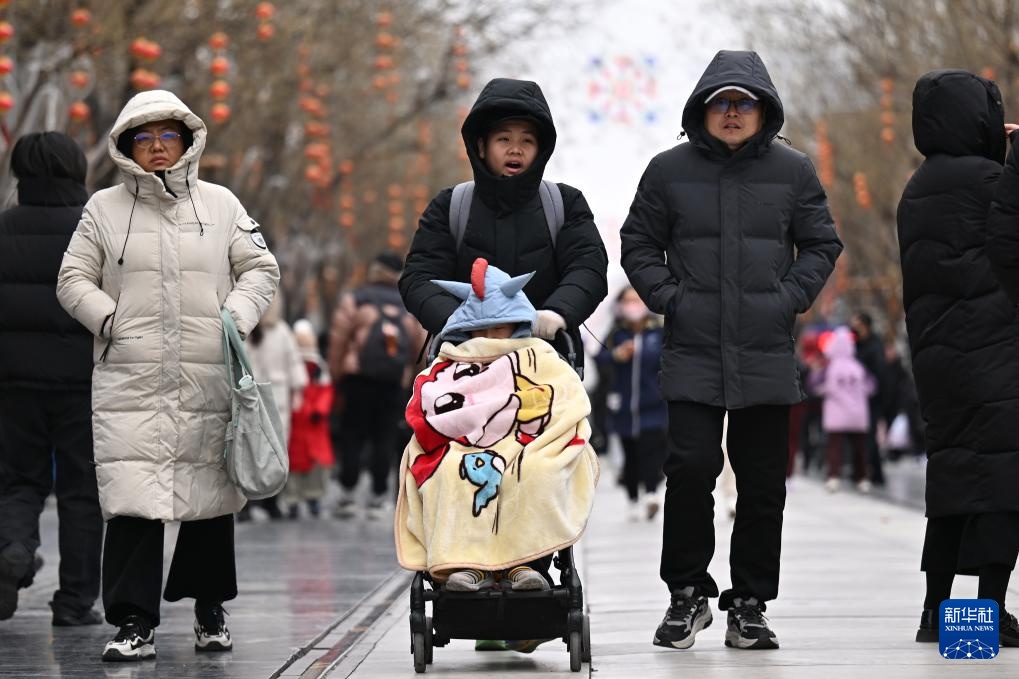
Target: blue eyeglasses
column 722, row 104
column 144, row 140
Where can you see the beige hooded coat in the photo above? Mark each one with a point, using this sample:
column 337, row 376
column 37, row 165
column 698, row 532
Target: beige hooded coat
column 149, row 267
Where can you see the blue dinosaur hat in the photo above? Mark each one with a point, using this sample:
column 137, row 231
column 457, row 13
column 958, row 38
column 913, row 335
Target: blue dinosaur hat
column 491, row 298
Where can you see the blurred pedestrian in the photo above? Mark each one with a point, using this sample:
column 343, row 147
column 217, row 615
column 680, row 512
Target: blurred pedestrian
column 151, row 264
column 870, row 351
column 275, row 359
column 964, row 339
column 632, row 356
column 729, row 236
column 45, row 381
column 373, row 349
column 845, row 387
column 311, row 451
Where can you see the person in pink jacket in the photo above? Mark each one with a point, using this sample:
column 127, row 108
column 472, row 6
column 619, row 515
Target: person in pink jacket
column 845, row 387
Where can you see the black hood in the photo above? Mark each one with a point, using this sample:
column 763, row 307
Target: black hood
column 502, row 98
column 745, row 69
column 957, row 113
column 50, row 168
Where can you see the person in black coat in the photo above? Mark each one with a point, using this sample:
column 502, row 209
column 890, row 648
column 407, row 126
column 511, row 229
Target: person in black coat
column 964, row 339
column 729, row 236
column 45, row 384
column 507, row 227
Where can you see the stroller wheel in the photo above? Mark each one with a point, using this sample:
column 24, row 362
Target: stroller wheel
column 575, row 651
column 418, row 644
column 428, row 641
column 585, row 640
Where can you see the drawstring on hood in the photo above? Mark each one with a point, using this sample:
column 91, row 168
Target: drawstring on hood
column 187, row 183
column 130, row 219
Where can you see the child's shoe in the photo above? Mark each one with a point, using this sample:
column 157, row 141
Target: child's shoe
column 346, row 505
column 864, row 486
column 470, row 580
column 832, row 485
column 524, row 578
column 314, row 509
column 633, row 513
column 378, row 506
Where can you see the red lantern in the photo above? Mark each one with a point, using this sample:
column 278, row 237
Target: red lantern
column 887, row 135
column 220, row 112
column 316, row 151
column 345, row 167
column 266, row 31
column 887, row 85
column 219, row 40
column 397, row 223
column 313, row 174
column 6, row 102
column 6, row 31
column 887, row 118
column 219, row 66
column 265, row 10
column 346, row 201
column 143, row 79
column 146, row 49
column 81, row 17
column 383, row 62
column 79, row 111
column 380, row 82
column 463, row 81
column 79, row 79
column 396, row 241
column 385, row 41
column 394, row 191
column 384, row 19
column 219, row 90
column 347, row 220
column 6, row 65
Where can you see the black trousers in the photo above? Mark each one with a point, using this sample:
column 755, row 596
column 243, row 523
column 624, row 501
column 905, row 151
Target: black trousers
column 202, row 568
column 966, row 542
column 37, row 429
column 372, row 412
column 758, row 442
column 643, row 456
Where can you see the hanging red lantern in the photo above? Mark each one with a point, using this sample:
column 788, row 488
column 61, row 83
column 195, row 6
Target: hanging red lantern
column 219, row 66
column 79, row 79
column 987, row 73
column 6, row 65
column 6, row 31
column 6, row 102
column 394, row 191
column 347, row 220
column 345, row 167
column 143, row 79
column 380, row 82
column 316, row 151
column 384, row 19
column 385, row 40
column 887, row 85
column 346, row 201
column 81, row 17
column 396, row 241
column 265, row 10
column 219, row 90
column 265, row 32
column 220, row 112
column 219, row 40
column 79, row 111
column 887, row 135
column 148, row 50
column 463, row 81
column 397, row 223
column 383, row 62
column 313, row 174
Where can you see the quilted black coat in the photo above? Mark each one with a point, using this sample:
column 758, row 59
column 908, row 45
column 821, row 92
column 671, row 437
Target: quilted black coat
column 963, row 329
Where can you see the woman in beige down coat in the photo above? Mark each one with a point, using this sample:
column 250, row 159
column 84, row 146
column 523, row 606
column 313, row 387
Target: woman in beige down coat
column 151, row 264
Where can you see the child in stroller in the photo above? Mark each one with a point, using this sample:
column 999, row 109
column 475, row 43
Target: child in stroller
column 499, row 475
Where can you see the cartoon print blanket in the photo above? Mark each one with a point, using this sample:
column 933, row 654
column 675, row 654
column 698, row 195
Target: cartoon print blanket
column 499, row 471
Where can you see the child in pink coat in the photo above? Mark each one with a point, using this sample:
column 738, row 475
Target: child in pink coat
column 845, row 387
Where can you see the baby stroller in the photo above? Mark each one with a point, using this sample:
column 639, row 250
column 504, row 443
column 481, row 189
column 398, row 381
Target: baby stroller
column 503, row 614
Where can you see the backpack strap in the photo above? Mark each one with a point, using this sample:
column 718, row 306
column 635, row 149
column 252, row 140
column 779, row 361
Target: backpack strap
column 552, row 204
column 460, row 211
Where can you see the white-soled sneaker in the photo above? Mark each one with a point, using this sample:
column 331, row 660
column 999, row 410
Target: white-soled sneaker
column 211, row 634
column 134, row 641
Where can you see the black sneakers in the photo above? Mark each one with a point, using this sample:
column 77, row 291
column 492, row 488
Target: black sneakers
column 134, row 641
column 747, row 626
column 211, row 633
column 65, row 616
column 688, row 614
column 928, row 630
column 1008, row 629
column 17, row 567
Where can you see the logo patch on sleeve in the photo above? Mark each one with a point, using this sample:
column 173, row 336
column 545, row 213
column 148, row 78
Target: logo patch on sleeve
column 258, row 240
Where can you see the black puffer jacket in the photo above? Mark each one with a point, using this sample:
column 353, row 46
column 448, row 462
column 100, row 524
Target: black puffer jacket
column 41, row 346
column 963, row 330
column 507, row 226
column 730, row 247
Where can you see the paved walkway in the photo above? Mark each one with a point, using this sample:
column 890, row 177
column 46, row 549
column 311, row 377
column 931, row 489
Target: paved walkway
column 850, row 602
column 324, row 598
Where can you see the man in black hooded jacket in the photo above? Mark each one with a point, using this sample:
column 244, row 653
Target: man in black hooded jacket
column 507, row 226
column 729, row 236
column 45, row 384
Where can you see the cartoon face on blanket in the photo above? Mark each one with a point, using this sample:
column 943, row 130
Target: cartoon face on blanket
column 499, row 471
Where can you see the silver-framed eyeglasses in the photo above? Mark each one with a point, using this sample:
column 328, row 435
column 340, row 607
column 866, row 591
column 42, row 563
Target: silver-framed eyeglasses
column 145, row 140
column 722, row 104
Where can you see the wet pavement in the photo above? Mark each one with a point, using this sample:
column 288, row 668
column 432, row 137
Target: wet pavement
column 299, row 582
